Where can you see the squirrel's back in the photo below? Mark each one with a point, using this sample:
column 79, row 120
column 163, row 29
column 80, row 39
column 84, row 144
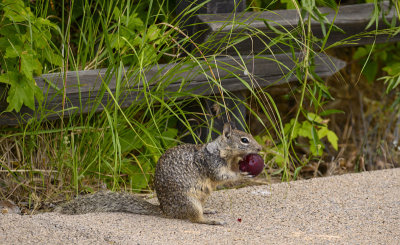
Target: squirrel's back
column 176, row 168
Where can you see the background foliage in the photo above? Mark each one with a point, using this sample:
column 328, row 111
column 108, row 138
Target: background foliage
column 25, row 51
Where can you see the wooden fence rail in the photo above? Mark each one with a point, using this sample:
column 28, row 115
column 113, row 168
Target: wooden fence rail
column 352, row 19
column 83, row 87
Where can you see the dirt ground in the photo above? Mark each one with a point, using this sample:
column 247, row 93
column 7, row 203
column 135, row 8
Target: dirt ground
column 361, row 208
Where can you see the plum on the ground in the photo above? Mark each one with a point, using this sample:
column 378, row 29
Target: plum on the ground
column 252, row 163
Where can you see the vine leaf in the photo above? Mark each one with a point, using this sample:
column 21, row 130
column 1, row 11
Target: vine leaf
column 22, row 91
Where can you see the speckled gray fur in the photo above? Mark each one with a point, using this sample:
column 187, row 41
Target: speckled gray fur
column 107, row 201
column 185, row 176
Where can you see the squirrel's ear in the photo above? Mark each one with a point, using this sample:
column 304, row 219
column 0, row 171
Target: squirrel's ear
column 227, row 130
column 212, row 147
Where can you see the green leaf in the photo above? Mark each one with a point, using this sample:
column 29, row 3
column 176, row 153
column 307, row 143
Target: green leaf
column 43, row 23
column 306, row 130
column 153, row 32
column 289, row 4
column 323, row 132
column 22, row 91
column 370, row 70
column 4, row 43
column 135, row 23
column 169, row 136
column 15, row 10
column 314, row 117
column 130, row 141
column 116, row 13
column 9, row 77
column 316, row 146
column 138, row 173
column 137, row 40
column 8, row 31
column 30, row 64
column 333, row 139
column 40, row 38
column 52, row 57
column 360, row 52
column 314, row 135
column 392, row 69
column 316, row 149
column 288, row 128
column 116, row 41
column 279, row 157
column 382, row 55
column 13, row 51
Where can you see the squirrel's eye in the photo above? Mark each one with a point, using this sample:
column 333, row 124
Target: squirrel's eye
column 244, row 140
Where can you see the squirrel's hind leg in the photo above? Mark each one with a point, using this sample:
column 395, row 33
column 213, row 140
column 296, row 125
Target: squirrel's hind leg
column 189, row 208
column 194, row 212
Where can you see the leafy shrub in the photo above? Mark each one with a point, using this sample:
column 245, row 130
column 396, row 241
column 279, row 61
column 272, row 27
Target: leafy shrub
column 25, row 47
column 313, row 128
column 133, row 35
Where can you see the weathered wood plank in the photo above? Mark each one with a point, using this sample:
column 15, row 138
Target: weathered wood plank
column 83, row 87
column 353, row 19
column 213, row 7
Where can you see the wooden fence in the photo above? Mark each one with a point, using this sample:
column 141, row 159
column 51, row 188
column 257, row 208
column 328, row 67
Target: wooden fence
column 83, row 91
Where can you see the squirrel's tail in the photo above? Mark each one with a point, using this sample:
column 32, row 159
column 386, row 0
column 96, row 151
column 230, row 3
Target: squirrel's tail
column 107, row 201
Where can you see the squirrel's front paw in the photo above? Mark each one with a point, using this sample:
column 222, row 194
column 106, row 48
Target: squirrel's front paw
column 214, row 222
column 209, row 211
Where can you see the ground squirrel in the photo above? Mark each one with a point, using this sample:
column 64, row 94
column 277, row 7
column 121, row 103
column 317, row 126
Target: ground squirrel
column 185, row 176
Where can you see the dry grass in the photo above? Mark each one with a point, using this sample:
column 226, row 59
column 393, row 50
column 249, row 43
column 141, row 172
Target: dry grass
column 28, row 166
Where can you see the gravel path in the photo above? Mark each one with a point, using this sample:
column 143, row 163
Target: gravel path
column 361, row 208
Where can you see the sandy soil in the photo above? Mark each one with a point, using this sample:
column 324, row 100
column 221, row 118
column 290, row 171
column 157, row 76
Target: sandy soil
column 359, row 208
